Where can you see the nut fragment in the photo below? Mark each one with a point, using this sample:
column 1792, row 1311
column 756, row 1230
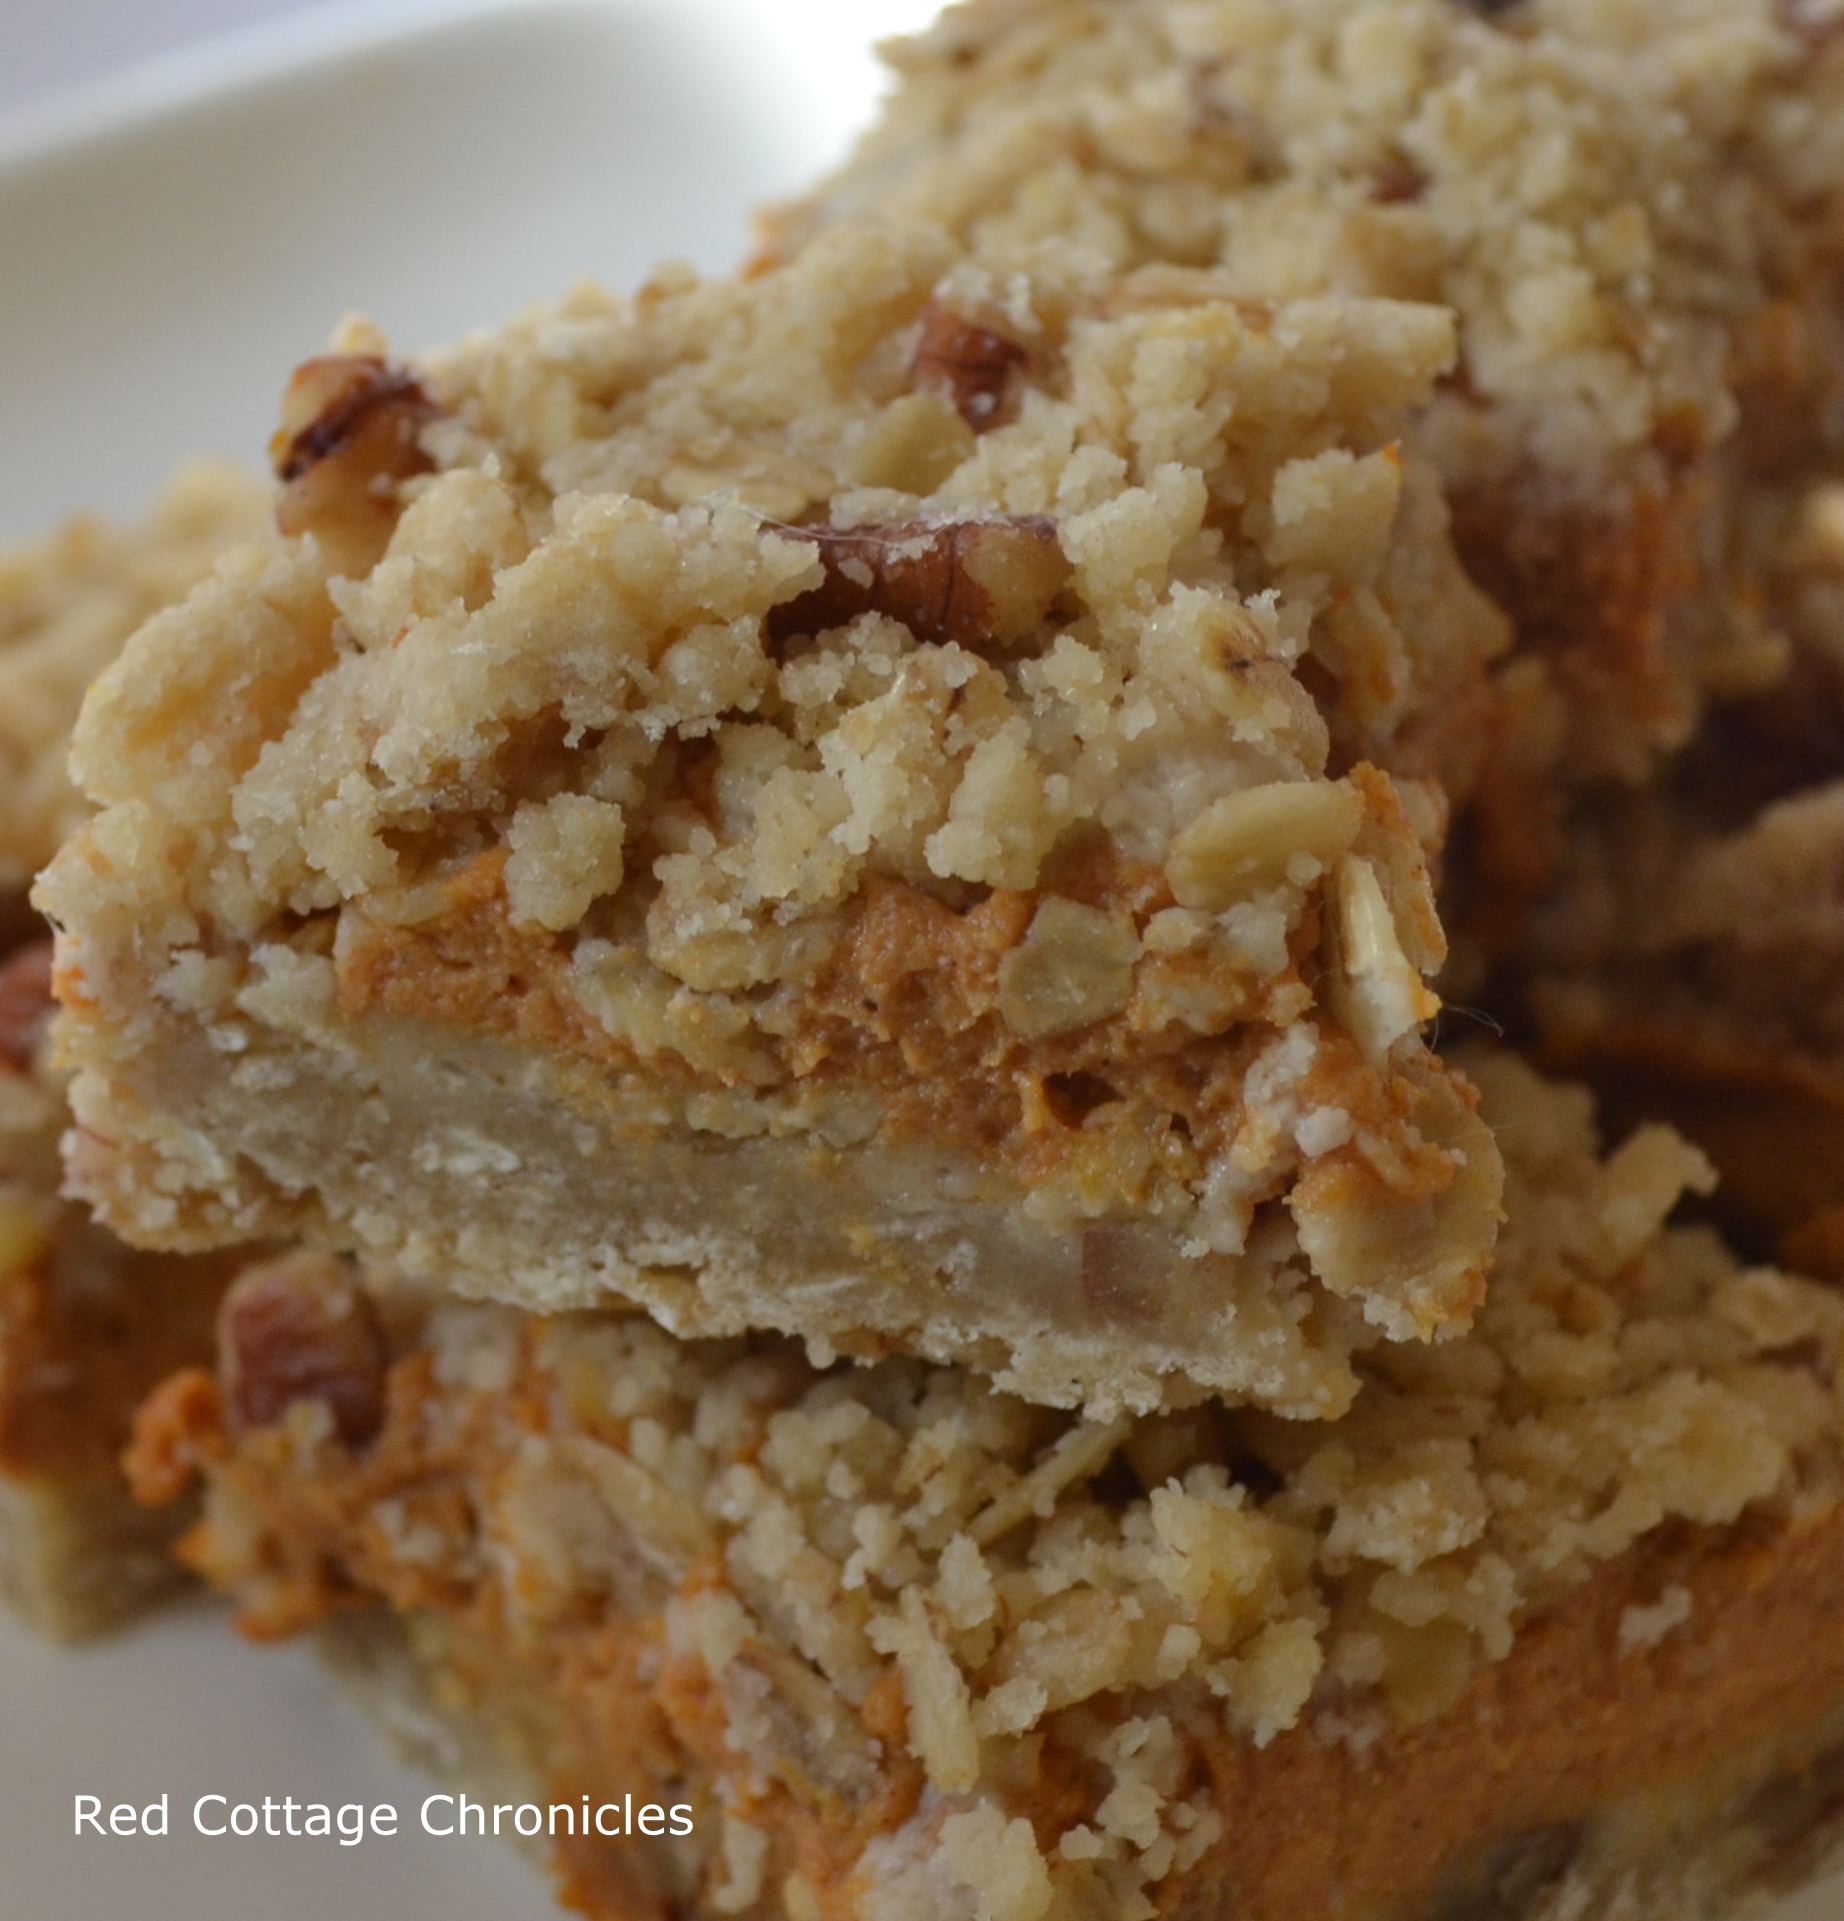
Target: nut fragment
column 1374, row 990
column 350, row 429
column 1116, row 1283
column 25, row 1003
column 299, row 1329
column 1243, row 842
column 980, row 583
column 966, row 363
column 1073, row 967
column 1397, row 180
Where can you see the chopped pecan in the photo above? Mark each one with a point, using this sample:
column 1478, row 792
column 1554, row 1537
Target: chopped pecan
column 970, row 365
column 1396, row 180
column 981, row 583
column 299, row 1329
column 351, row 427
column 25, row 1003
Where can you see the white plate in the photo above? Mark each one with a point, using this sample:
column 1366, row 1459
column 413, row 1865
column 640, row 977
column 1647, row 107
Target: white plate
column 170, row 244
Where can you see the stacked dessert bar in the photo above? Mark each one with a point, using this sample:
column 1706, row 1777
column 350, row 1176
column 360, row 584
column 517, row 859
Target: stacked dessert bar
column 814, row 907
column 88, row 1327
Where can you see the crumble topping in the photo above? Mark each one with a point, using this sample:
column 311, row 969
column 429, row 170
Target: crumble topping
column 1599, row 191
column 67, row 605
column 1629, row 210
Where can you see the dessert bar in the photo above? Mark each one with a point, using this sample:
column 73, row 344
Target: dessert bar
column 1629, row 205
column 806, row 812
column 1543, row 1625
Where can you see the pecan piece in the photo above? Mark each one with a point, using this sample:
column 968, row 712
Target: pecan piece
column 25, row 1003
column 981, row 583
column 966, row 363
column 299, row 1329
column 350, row 430
column 1397, row 180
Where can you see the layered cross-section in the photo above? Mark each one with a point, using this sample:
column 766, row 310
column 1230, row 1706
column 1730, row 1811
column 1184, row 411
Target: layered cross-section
column 813, row 803
column 1690, row 958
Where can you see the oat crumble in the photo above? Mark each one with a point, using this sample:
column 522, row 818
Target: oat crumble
column 67, row 605
column 1628, row 205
